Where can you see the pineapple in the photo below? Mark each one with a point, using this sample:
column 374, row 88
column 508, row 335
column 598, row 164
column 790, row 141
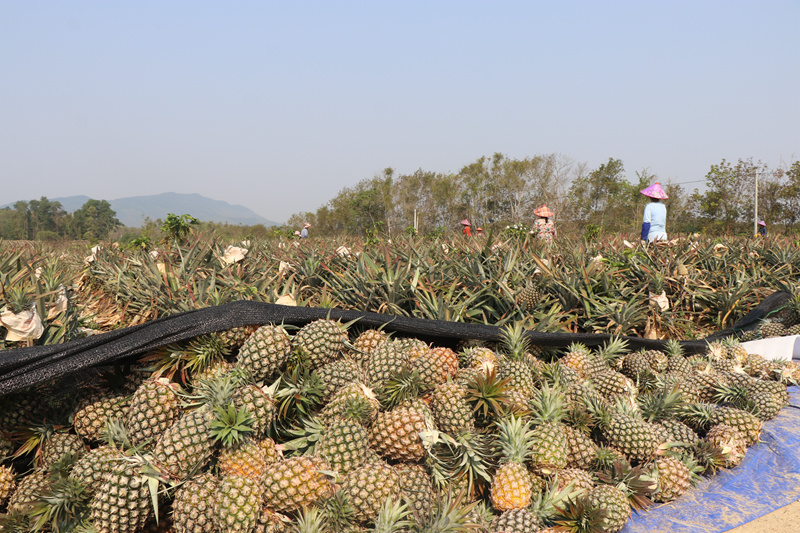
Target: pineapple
column 513, row 367
column 124, row 502
column 529, row 297
column 193, row 507
column 339, row 373
column 265, row 351
column 238, row 503
column 235, row 338
column 516, row 521
column 395, row 434
column 770, row 328
column 92, row 467
column 153, row 408
column 384, row 362
column 368, row 487
column 548, row 442
column 435, row 366
column 417, row 487
column 259, row 403
column 674, row 479
column 7, row 484
column 577, row 358
column 344, row 444
column 296, row 482
column 94, row 410
column 731, row 443
column 320, row 342
column 512, row 487
column 367, row 342
column 623, row 429
column 355, row 400
column 450, row 408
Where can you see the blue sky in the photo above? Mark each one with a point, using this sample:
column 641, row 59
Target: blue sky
column 277, row 106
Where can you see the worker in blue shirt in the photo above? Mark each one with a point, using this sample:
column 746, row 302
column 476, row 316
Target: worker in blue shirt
column 654, row 222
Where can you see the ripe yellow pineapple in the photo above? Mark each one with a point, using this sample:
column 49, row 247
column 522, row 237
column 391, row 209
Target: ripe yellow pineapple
column 512, row 486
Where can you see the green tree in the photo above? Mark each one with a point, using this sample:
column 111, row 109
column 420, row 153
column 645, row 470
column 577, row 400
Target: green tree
column 177, row 228
column 602, row 197
column 94, row 221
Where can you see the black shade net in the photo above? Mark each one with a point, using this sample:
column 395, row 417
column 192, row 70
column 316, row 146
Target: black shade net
column 23, row 367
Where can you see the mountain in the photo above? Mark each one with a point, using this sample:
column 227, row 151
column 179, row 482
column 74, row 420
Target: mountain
column 131, row 211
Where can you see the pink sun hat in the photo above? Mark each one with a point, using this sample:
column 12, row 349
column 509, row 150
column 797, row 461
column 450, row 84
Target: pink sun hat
column 655, row 191
column 465, row 222
column 762, row 223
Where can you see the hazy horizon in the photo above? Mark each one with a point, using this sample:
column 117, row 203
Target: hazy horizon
column 277, row 106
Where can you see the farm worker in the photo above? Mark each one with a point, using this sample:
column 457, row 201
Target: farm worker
column 297, row 234
column 762, row 228
column 479, row 231
column 543, row 226
column 654, row 222
column 304, row 232
column 467, row 230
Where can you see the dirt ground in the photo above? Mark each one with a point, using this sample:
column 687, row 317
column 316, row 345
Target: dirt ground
column 784, row 520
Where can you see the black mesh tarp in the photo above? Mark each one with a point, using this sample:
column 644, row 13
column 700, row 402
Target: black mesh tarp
column 23, row 367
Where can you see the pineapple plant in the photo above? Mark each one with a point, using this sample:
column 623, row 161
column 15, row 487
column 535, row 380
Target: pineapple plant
column 528, row 298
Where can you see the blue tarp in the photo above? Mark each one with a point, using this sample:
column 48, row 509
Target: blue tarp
column 767, row 479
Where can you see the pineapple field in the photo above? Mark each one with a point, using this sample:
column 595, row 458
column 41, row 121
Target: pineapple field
column 405, row 385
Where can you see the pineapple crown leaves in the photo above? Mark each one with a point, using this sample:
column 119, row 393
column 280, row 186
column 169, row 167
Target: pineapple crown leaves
column 306, row 436
column 393, row 517
column 299, row 391
column 449, row 515
column 213, row 392
column 547, row 405
column 547, row 503
column 311, row 520
column 515, row 341
column 673, row 348
column 230, row 425
column 614, row 349
column 339, row 511
column 61, row 506
column 661, row 404
column 488, row 394
column 469, row 454
column 402, row 386
column 577, row 515
column 515, row 436
column 633, row 481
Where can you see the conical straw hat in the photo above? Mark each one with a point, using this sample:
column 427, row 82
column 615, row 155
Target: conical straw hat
column 655, row 191
column 465, row 222
column 543, row 211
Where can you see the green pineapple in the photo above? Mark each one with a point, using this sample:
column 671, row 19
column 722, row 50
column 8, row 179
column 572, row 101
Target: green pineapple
column 94, row 410
column 417, row 487
column 344, row 444
column 238, row 503
column 320, row 342
column 548, row 441
column 259, row 403
column 193, row 508
column 676, row 360
column 368, row 487
column 339, row 373
column 624, row 430
column 235, row 338
column 153, row 408
column 355, row 400
column 528, row 298
column 384, row 362
column 451, row 411
column 265, row 351
column 124, row 501
column 513, row 366
column 93, row 466
column 516, row 521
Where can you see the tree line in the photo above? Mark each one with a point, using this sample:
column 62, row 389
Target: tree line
column 498, row 191
column 46, row 220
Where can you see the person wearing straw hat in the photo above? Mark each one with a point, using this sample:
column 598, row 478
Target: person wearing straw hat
column 304, row 232
column 654, row 222
column 543, row 226
column 467, row 230
column 762, row 228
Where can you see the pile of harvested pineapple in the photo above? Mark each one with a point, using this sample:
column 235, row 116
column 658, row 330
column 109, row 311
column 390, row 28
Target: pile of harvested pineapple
column 328, row 428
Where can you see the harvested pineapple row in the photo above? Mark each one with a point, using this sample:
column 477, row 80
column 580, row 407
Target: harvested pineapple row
column 266, row 429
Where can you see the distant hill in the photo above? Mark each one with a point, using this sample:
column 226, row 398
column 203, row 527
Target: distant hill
column 131, row 211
